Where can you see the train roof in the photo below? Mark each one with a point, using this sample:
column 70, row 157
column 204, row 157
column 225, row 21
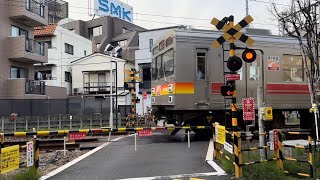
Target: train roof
column 259, row 35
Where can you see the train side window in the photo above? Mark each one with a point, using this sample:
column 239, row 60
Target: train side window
column 159, row 67
column 168, row 62
column 154, row 69
column 292, row 68
column 201, row 64
column 255, row 70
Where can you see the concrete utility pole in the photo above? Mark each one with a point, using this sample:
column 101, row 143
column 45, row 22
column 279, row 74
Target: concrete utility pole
column 260, row 123
column 111, row 103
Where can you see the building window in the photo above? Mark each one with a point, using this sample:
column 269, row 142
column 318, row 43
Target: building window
column 122, row 43
column 16, row 31
column 68, row 48
column 146, row 75
column 85, row 52
column 67, row 76
column 150, row 44
column 169, row 41
column 43, row 75
column 18, row 72
column 292, row 68
column 201, row 64
column 95, row 31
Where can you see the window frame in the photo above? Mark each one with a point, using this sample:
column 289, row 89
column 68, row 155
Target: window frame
column 68, row 48
column 205, row 51
column 163, row 63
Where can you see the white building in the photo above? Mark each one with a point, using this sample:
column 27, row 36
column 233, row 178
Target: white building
column 91, row 76
column 143, row 62
column 64, row 46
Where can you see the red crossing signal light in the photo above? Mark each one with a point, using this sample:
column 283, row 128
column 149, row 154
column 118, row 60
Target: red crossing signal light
column 249, row 55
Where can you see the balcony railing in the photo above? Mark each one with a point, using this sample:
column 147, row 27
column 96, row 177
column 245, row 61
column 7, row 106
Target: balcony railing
column 98, row 87
column 35, row 87
column 35, row 7
column 34, row 46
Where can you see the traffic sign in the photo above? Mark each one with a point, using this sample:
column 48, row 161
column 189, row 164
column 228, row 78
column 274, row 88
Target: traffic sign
column 268, row 113
column 232, row 77
column 221, row 134
column 248, row 109
column 30, row 154
column 145, row 133
column 232, row 31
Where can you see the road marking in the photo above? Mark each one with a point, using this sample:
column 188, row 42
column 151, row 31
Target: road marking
column 209, row 159
column 175, row 176
column 58, row 170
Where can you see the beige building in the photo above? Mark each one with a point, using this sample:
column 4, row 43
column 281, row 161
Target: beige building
column 19, row 51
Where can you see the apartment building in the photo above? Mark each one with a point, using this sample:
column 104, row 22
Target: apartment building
column 108, row 30
column 19, row 51
column 143, row 58
column 64, row 46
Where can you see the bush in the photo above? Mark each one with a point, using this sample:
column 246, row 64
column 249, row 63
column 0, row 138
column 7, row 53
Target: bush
column 30, row 174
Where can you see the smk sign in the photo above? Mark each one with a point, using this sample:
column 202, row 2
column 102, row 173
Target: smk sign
column 113, row 8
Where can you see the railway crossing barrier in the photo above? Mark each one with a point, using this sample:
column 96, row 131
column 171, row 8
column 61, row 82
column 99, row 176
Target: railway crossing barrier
column 232, row 144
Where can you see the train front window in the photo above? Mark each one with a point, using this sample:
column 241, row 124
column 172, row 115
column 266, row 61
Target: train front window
column 159, row 67
column 168, row 62
column 292, row 68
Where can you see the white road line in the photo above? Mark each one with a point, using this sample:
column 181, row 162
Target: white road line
column 209, row 156
column 209, row 159
column 174, row 176
column 58, row 170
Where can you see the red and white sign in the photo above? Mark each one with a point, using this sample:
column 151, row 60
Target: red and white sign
column 30, row 154
column 273, row 63
column 248, row 109
column 276, row 139
column 232, row 77
column 144, row 133
column 76, row 136
column 145, row 95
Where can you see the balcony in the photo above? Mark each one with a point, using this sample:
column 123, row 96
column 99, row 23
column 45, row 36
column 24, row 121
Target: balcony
column 35, row 87
column 27, row 50
column 98, row 88
column 21, row 88
column 29, row 12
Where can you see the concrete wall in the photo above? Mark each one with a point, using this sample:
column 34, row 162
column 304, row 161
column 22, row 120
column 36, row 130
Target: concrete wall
column 56, row 92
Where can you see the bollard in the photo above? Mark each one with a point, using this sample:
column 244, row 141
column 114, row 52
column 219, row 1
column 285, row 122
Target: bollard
column 188, row 139
column 135, row 141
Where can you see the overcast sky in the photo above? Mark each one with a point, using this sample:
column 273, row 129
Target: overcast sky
column 202, row 10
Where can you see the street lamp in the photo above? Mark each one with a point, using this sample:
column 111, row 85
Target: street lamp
column 113, row 51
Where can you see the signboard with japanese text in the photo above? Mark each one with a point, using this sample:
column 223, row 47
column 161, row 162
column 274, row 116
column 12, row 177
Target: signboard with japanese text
column 114, row 8
column 221, row 134
column 228, row 147
column 30, row 154
column 232, row 77
column 143, row 133
column 275, row 138
column 76, row 136
column 271, row 140
column 9, row 159
column 273, row 63
column 248, row 109
column 268, row 113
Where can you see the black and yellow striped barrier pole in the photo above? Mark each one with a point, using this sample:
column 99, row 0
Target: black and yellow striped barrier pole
column 237, row 154
column 310, row 155
column 279, row 151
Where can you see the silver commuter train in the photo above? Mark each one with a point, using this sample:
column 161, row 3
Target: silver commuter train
column 187, row 73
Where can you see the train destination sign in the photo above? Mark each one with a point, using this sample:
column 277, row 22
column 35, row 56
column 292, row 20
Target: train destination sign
column 248, row 109
column 232, row 77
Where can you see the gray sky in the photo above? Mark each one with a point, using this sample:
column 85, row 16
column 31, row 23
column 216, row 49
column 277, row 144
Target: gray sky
column 202, row 10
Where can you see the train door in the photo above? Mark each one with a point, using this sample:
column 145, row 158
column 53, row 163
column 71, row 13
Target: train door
column 201, row 77
column 253, row 77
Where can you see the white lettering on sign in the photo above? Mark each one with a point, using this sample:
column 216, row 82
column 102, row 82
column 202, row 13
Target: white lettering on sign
column 228, row 147
column 112, row 8
column 30, row 154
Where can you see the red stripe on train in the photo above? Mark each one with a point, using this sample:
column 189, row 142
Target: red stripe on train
column 287, row 89
column 216, row 88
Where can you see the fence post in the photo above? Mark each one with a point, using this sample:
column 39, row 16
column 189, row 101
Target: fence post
column 59, row 121
column 15, row 125
column 36, row 150
column 100, row 120
column 237, row 154
column 70, row 122
column 310, row 155
column 2, row 124
column 216, row 145
column 90, row 121
column 38, row 123
column 26, row 119
column 48, row 121
column 81, row 121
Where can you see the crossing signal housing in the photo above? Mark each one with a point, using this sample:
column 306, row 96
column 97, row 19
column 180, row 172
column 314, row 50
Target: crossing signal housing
column 234, row 63
column 249, row 55
column 226, row 90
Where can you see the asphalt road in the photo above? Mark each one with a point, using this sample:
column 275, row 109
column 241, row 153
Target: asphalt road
column 160, row 156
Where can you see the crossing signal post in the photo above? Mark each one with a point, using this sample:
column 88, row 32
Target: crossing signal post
column 234, row 64
column 130, row 84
